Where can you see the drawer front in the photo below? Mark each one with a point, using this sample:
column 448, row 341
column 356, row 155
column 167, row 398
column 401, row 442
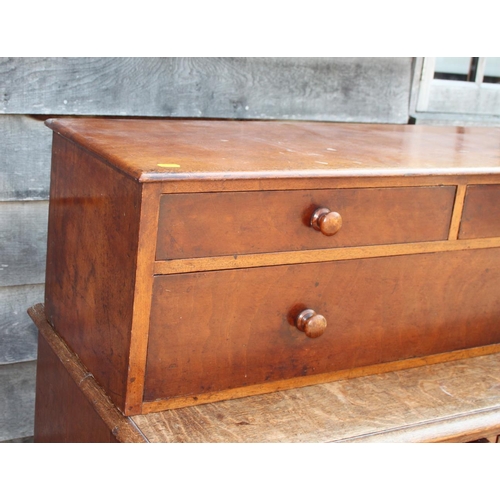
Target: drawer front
column 481, row 214
column 216, row 224
column 212, row 331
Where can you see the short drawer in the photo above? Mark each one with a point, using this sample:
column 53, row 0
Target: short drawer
column 481, row 214
column 212, row 331
column 213, row 224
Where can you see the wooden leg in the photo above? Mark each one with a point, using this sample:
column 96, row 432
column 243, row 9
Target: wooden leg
column 70, row 406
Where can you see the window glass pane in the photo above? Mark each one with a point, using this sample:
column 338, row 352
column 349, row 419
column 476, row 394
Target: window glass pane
column 459, row 65
column 492, row 70
column 452, row 68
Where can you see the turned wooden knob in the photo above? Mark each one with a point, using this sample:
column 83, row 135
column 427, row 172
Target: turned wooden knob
column 325, row 221
column 312, row 324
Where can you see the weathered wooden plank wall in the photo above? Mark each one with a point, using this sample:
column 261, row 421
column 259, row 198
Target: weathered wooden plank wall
column 31, row 89
column 18, row 340
column 17, row 389
column 23, row 226
column 24, row 158
column 340, row 89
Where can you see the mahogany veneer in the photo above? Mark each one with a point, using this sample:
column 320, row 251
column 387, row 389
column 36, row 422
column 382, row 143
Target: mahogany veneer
column 481, row 217
column 213, row 224
column 193, row 261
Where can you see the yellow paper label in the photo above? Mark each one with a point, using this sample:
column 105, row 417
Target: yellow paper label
column 168, row 165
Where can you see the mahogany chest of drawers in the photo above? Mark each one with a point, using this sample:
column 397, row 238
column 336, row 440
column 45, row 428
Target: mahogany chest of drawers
column 191, row 261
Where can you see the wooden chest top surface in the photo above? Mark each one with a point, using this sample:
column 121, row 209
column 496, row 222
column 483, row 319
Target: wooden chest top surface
column 159, row 150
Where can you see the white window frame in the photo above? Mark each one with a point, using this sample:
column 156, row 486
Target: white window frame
column 452, row 99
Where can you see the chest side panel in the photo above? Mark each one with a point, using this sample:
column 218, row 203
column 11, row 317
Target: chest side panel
column 91, row 260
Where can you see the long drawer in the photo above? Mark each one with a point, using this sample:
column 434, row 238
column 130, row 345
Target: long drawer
column 213, row 224
column 212, row 331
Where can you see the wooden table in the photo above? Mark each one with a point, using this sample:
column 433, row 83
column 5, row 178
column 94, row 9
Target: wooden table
column 455, row 401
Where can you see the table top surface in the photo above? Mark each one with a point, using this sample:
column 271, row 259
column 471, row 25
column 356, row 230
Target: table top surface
column 442, row 402
column 175, row 149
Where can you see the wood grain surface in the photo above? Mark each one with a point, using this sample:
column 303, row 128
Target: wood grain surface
column 18, row 335
column 345, row 178
column 322, row 255
column 70, row 405
column 213, row 331
column 457, row 212
column 24, row 158
column 309, row 380
column 17, row 400
column 454, row 401
column 228, row 150
column 481, row 217
column 62, row 413
column 336, row 89
column 23, row 244
column 213, row 224
column 144, row 275
column 91, row 262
